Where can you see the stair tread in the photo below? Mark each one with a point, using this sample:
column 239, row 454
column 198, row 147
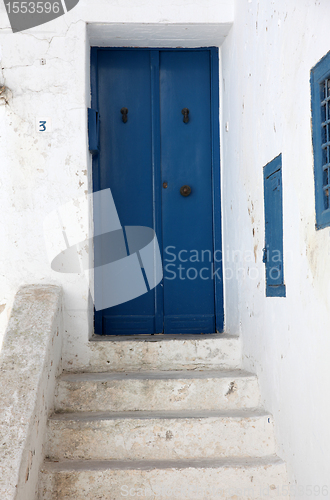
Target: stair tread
column 159, row 337
column 176, row 414
column 196, row 463
column 153, row 375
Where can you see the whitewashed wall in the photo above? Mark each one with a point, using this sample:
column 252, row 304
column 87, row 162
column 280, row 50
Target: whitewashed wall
column 39, row 173
column 266, row 62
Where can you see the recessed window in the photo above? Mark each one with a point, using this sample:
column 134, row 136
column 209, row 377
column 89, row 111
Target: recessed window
column 320, row 91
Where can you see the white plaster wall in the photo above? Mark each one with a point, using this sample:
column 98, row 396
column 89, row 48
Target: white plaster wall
column 266, row 62
column 39, row 173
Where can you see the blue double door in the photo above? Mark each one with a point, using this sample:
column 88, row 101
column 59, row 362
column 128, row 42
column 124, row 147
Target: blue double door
column 156, row 154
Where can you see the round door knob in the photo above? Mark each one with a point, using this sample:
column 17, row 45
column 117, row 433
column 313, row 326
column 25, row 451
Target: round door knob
column 185, row 190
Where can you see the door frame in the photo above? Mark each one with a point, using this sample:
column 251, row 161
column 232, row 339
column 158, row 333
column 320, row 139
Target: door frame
column 215, row 166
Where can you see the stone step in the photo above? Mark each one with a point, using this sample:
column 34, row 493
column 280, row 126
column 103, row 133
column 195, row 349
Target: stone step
column 160, row 435
column 211, row 479
column 158, row 352
column 157, row 391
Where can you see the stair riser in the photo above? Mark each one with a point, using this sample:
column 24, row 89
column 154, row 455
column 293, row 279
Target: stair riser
column 160, row 438
column 252, row 483
column 201, row 352
column 158, row 395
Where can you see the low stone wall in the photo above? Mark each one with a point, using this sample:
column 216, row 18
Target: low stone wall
column 30, row 360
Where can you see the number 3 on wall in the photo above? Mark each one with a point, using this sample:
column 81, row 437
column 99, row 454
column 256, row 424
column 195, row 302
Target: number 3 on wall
column 44, row 125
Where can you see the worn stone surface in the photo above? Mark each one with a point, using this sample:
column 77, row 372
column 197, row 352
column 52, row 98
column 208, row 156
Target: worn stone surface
column 234, row 479
column 160, row 352
column 162, row 430
column 160, row 435
column 157, row 391
column 29, row 362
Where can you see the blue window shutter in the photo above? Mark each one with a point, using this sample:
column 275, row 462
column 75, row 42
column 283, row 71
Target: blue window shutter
column 320, row 96
column 93, row 131
column 273, row 253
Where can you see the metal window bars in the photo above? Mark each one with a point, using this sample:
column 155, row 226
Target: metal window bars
column 325, row 139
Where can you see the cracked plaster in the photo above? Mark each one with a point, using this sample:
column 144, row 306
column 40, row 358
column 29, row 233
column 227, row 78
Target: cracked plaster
column 47, row 71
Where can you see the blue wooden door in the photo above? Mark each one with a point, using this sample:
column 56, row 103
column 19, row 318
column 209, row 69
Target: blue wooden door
column 159, row 146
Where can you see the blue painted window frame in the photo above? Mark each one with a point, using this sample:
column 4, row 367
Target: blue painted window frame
column 319, row 73
column 273, row 251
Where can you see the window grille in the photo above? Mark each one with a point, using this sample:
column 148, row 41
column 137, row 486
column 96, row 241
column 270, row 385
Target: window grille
column 320, row 92
column 325, row 135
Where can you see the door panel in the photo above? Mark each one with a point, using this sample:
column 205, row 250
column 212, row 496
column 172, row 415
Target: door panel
column 187, row 221
column 126, row 166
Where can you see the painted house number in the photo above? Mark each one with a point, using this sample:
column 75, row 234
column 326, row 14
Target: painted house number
column 44, row 125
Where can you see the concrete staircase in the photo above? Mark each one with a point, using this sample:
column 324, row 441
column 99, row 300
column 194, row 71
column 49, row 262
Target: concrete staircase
column 184, row 423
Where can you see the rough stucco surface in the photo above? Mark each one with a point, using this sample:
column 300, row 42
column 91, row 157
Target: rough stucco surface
column 29, row 363
column 266, row 63
column 47, row 71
